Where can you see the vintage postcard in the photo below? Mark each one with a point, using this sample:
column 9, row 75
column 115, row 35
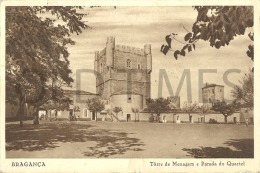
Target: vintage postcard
column 129, row 86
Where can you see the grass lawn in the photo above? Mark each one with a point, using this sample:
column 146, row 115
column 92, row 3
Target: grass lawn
column 128, row 140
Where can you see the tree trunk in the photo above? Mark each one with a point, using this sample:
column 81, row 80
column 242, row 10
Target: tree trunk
column 51, row 113
column 36, row 117
column 225, row 119
column 158, row 117
column 21, row 110
column 55, row 112
column 116, row 117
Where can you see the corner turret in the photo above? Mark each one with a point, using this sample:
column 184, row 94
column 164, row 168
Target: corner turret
column 110, row 48
column 96, row 60
column 148, row 54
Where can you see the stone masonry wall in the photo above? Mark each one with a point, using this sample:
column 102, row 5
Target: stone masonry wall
column 213, row 93
column 115, row 77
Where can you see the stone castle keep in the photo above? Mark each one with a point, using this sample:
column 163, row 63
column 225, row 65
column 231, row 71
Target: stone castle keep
column 125, row 74
column 212, row 93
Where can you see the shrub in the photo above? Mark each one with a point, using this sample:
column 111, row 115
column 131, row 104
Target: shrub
column 213, row 121
column 151, row 118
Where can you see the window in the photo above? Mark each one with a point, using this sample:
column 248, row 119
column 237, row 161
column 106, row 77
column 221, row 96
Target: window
column 213, row 91
column 138, row 66
column 128, row 63
column 129, row 98
column 101, row 68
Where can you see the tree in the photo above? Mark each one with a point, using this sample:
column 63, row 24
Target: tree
column 217, row 25
column 117, row 110
column 136, row 111
column 189, row 108
column 36, row 52
column 224, row 108
column 245, row 94
column 158, row 106
column 204, row 110
column 95, row 106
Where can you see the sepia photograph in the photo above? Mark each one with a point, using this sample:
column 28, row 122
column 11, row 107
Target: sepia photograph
column 129, row 82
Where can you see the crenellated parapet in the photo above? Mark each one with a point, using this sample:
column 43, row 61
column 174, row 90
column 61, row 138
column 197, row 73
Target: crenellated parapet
column 110, row 39
column 115, row 56
column 148, row 54
column 147, row 49
column 102, row 52
column 110, row 50
column 99, row 54
column 96, row 55
column 129, row 49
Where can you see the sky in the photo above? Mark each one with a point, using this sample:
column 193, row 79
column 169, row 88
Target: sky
column 137, row 26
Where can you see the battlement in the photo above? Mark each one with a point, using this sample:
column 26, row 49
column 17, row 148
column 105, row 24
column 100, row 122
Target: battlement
column 112, row 58
column 102, row 52
column 129, row 49
column 98, row 54
column 110, row 39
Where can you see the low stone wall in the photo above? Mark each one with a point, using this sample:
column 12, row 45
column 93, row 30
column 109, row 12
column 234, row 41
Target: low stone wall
column 168, row 117
column 196, row 118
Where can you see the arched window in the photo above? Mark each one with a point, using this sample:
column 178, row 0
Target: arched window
column 101, row 67
column 128, row 63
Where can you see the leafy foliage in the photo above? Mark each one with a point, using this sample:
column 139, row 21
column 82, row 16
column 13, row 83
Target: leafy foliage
column 117, row 110
column 245, row 94
column 213, row 121
column 217, row 25
column 224, row 108
column 204, row 109
column 135, row 110
column 158, row 105
column 250, row 51
column 95, row 105
column 37, row 62
column 190, row 107
column 62, row 104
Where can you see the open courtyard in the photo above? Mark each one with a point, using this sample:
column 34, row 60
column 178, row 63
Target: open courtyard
column 89, row 139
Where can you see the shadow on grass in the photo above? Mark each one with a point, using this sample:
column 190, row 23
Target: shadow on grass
column 46, row 136
column 244, row 148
